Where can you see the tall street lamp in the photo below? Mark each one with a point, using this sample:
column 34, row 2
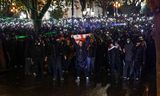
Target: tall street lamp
column 116, row 6
column 72, row 14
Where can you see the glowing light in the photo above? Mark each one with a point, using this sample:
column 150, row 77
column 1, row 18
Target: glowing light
column 88, row 9
column 13, row 4
column 117, row 4
column 92, row 13
column 23, row 15
column 84, row 12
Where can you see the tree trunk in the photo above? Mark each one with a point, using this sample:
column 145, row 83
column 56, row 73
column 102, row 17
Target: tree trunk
column 104, row 12
column 37, row 25
column 156, row 34
column 83, row 4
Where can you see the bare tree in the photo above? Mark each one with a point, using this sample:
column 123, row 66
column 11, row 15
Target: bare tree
column 104, row 4
column 5, row 7
column 36, row 9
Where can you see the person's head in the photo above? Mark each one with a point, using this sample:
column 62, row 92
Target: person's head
column 92, row 40
column 116, row 45
column 128, row 40
column 111, row 45
column 140, row 38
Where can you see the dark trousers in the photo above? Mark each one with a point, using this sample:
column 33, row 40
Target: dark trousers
column 28, row 65
column 90, row 65
column 38, row 66
column 98, row 74
column 80, row 68
column 50, row 65
column 137, row 69
column 57, row 67
column 66, row 64
column 116, row 71
column 127, row 68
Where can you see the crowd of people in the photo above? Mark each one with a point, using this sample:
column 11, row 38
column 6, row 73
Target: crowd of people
column 117, row 52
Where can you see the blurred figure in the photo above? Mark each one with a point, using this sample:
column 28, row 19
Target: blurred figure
column 128, row 59
column 139, row 57
column 114, row 52
column 91, row 50
column 99, row 67
column 28, row 56
column 80, row 59
column 67, row 55
column 38, row 57
column 50, row 54
column 57, row 67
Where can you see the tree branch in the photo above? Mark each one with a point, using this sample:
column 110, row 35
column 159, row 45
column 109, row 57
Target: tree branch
column 45, row 8
column 26, row 4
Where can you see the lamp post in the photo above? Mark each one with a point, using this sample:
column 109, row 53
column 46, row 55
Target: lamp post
column 116, row 5
column 72, row 14
column 14, row 8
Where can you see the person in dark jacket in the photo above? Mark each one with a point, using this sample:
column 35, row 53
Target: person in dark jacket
column 128, row 59
column 91, row 52
column 67, row 55
column 38, row 54
column 99, row 60
column 50, row 54
column 57, row 67
column 114, row 53
column 80, row 65
column 28, row 55
column 139, row 58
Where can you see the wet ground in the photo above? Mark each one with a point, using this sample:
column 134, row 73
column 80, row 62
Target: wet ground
column 15, row 83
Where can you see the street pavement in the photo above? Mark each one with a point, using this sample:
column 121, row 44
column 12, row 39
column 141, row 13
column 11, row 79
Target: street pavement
column 15, row 83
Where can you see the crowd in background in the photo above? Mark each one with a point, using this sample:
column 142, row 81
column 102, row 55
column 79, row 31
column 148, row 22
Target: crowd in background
column 118, row 52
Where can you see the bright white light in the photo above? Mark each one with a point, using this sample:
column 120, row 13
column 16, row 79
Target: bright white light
column 84, row 12
column 142, row 30
column 150, row 18
column 23, row 15
column 125, row 15
column 88, row 9
column 75, row 21
column 92, row 13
